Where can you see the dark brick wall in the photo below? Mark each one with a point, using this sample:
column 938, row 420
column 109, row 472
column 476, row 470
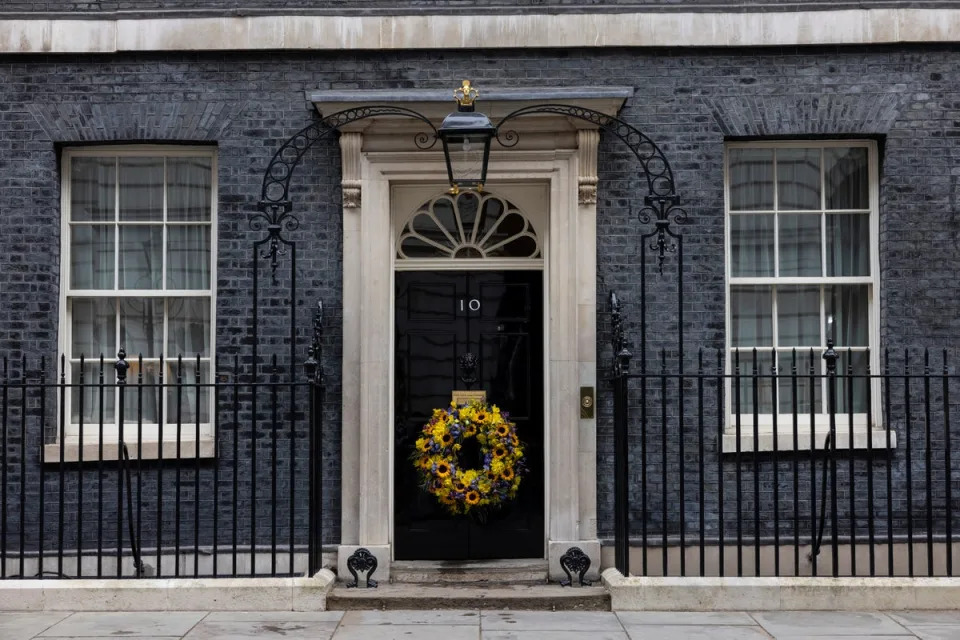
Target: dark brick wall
column 103, row 8
column 689, row 102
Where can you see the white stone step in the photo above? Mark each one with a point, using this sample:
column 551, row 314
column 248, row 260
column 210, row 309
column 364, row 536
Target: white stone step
column 477, row 572
column 543, row 597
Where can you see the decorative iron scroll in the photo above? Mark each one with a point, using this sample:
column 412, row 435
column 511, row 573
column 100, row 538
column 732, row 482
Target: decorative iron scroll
column 364, row 562
column 661, row 203
column 575, row 561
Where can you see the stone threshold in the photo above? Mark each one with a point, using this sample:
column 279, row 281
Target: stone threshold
column 214, row 594
column 483, row 572
column 635, row 593
column 406, row 596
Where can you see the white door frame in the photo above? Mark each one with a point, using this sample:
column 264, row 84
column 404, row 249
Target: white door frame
column 569, row 248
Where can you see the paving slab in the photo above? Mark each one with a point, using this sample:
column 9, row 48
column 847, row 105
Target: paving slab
column 110, row 637
column 936, row 631
column 828, row 623
column 699, row 618
column 23, row 626
column 445, row 616
column 857, row 637
column 549, row 621
column 303, row 630
column 553, row 635
column 687, row 632
column 274, row 616
column 127, row 624
column 407, row 632
column 926, row 617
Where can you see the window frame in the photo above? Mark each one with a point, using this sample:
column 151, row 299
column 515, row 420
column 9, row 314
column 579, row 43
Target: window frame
column 152, row 432
column 821, row 419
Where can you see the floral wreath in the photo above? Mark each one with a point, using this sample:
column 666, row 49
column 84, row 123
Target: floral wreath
column 463, row 490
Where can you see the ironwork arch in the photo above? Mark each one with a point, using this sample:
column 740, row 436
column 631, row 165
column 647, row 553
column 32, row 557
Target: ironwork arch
column 661, row 204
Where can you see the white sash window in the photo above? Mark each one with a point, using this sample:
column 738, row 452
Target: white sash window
column 802, row 266
column 138, row 269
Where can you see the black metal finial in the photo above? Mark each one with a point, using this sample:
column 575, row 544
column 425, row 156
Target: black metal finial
column 621, row 352
column 121, row 366
column 314, row 364
column 830, row 355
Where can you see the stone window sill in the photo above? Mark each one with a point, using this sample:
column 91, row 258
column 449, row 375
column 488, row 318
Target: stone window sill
column 147, row 450
column 785, row 440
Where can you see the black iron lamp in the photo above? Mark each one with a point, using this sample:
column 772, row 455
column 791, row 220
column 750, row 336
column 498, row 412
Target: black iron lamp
column 466, row 135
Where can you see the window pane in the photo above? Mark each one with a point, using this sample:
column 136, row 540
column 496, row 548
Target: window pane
column 752, row 311
column 851, row 387
column 140, row 257
column 182, row 401
column 848, row 305
column 800, row 244
column 93, row 328
column 92, row 395
column 751, row 242
column 798, row 400
column 760, row 362
column 798, row 178
column 847, row 176
column 141, row 326
column 798, row 316
column 92, row 187
column 848, row 244
column 188, row 257
column 751, row 179
column 141, row 189
column 91, row 257
column 188, row 188
column 188, row 327
column 141, row 402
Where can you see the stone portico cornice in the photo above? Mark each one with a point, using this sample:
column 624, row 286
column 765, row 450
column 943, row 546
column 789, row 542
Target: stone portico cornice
column 855, row 26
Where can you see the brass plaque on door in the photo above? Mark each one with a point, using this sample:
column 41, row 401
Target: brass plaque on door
column 466, row 396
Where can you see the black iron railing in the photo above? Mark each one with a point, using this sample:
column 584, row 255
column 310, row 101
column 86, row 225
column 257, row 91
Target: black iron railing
column 828, row 462
column 215, row 475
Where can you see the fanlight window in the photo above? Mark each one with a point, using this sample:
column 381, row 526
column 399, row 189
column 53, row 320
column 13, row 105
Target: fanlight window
column 468, row 225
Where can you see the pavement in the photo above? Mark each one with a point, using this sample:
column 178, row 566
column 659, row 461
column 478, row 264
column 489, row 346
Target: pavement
column 481, row 625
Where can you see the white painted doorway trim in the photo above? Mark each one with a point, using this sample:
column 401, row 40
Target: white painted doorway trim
column 569, row 248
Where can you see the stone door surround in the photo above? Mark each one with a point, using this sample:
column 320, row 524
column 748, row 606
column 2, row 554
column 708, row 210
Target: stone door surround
column 378, row 155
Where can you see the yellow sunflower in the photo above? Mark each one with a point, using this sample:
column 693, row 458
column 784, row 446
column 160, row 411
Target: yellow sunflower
column 473, row 497
column 507, row 473
column 503, row 430
column 499, row 452
column 443, row 469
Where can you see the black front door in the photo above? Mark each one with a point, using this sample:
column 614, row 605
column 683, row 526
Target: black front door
column 498, row 317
